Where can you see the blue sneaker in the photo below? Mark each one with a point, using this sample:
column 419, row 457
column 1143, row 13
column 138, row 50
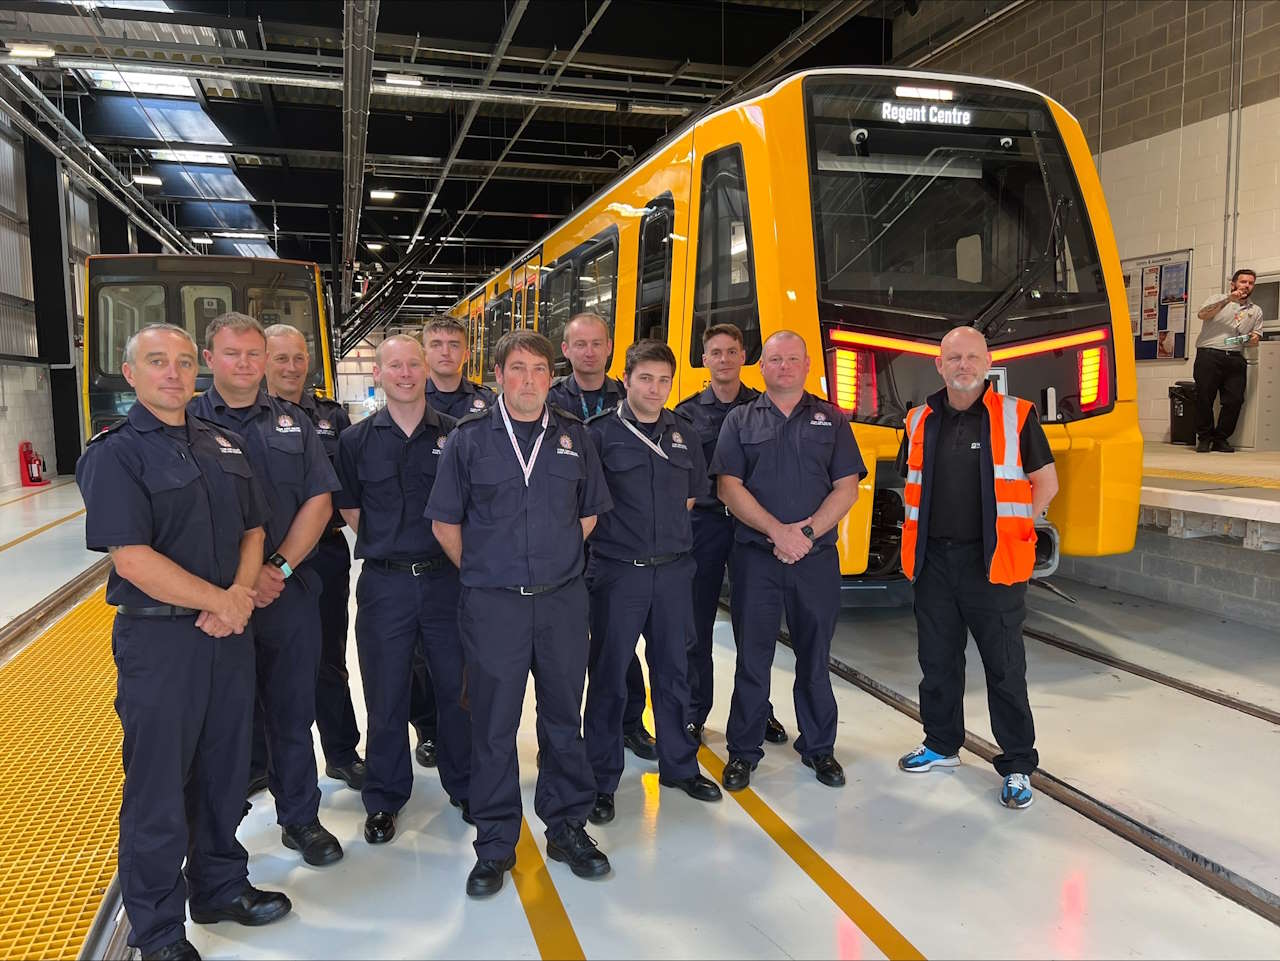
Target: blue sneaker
column 922, row 759
column 1016, row 792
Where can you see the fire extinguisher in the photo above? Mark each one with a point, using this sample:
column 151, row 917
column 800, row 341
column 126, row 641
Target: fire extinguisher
column 31, row 465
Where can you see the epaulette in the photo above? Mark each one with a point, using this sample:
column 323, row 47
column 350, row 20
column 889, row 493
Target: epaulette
column 694, row 396
column 105, row 431
column 566, row 414
column 684, row 417
column 486, row 389
column 472, row 418
column 596, row 417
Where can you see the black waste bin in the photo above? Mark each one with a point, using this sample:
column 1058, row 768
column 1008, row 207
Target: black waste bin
column 1182, row 412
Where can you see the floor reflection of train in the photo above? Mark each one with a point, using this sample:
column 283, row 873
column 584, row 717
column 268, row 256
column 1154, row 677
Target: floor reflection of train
column 871, row 210
column 128, row 291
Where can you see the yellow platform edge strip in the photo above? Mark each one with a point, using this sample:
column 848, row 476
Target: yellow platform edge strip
column 552, row 930
column 59, row 829
column 1226, row 480
column 844, row 895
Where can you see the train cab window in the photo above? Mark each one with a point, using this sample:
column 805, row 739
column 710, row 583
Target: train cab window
column 653, row 273
column 498, row 322
column 598, row 282
column 556, row 309
column 201, row 303
column 284, row 305
column 725, row 290
column 123, row 310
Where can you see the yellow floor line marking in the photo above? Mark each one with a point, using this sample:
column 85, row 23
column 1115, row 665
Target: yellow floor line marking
column 40, row 530
column 58, row 722
column 1226, row 480
column 552, row 930
column 857, row 908
column 43, row 490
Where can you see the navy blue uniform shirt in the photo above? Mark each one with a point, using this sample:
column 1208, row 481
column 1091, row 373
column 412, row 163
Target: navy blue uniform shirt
column 330, row 419
column 649, row 516
column 469, row 398
column 513, row 535
column 789, row 464
column 708, row 413
column 389, row 477
column 283, row 449
column 568, row 395
column 187, row 492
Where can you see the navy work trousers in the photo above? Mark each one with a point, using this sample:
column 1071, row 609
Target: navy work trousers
column 335, row 715
column 505, row 636
column 808, row 592
column 185, row 702
column 286, row 637
column 398, row 614
column 422, row 700
column 953, row 599
column 626, row 601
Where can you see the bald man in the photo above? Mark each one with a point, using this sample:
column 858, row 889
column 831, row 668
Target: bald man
column 787, row 467
column 978, row 473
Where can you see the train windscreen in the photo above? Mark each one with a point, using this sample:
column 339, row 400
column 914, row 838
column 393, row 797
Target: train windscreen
column 947, row 205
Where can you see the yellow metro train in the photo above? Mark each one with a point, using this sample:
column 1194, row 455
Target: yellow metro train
column 871, row 210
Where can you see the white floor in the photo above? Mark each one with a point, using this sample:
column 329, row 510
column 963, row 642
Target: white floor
column 37, row 564
column 935, row 855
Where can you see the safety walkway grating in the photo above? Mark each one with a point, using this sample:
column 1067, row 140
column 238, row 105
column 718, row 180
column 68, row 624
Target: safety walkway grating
column 1223, row 480
column 59, row 820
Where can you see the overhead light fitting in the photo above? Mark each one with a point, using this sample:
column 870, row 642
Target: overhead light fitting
column 374, row 247
column 924, row 93
column 403, row 80
column 382, row 195
column 38, row 51
column 202, row 241
column 658, row 109
column 150, row 180
column 236, row 235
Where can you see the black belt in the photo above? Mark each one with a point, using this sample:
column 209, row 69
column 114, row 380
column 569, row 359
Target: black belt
column 531, row 590
column 714, row 508
column 331, row 532
column 657, row 561
column 1222, row 350
column 416, row 568
column 161, row 610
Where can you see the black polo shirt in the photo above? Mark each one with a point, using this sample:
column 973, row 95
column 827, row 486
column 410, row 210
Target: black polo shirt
column 186, row 492
column 707, row 412
column 515, row 535
column 568, row 395
column 788, row 463
column 649, row 516
column 283, row 449
column 469, row 398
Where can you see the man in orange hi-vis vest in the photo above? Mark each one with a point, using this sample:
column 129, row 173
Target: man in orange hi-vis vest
column 978, row 473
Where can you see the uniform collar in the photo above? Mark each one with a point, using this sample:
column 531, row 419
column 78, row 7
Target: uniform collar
column 938, row 401
column 308, row 402
column 495, row 416
column 765, row 402
column 141, row 419
column 610, row 386
column 464, row 387
column 665, row 417
column 263, row 402
column 708, row 396
column 430, row 418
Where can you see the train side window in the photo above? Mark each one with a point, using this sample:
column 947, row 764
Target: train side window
column 725, row 291
column 598, row 282
column 288, row 305
column 556, row 308
column 653, row 273
column 123, row 310
column 530, row 307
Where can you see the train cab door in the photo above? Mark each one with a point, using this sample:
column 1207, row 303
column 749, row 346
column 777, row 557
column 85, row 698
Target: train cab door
column 524, row 292
column 475, row 336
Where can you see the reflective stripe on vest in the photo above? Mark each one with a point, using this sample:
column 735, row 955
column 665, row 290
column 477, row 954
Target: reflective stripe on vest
column 1015, row 535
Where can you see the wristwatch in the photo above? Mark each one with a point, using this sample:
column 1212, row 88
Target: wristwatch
column 807, row 531
column 278, row 560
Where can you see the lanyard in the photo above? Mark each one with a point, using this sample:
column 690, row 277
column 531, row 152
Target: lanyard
column 582, row 399
column 643, row 439
column 515, row 445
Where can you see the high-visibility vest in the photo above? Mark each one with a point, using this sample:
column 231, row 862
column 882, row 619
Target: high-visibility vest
column 1014, row 537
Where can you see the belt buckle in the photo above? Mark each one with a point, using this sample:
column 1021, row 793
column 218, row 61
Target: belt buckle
column 525, row 592
column 414, row 569
column 640, row 563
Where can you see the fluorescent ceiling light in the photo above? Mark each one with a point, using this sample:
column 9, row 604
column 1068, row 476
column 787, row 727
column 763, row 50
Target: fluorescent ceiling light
column 658, row 109
column 374, row 247
column 36, row 50
column 191, row 156
column 382, row 195
column 404, row 80
column 239, row 235
column 202, row 241
column 133, row 81
column 925, row 93
column 149, row 179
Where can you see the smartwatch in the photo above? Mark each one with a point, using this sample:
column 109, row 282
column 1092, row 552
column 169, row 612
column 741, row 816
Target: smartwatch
column 278, row 560
column 807, row 531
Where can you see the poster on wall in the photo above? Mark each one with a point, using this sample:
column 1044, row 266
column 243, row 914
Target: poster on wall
column 1157, row 289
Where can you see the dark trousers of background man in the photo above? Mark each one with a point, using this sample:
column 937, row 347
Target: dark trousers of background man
column 1218, row 371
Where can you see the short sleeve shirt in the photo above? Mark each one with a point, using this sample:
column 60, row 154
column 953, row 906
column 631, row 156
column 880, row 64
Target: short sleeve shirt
column 187, row 492
column 389, row 477
column 650, row 492
column 515, row 535
column 708, row 413
column 283, row 449
column 1232, row 322
column 788, row 463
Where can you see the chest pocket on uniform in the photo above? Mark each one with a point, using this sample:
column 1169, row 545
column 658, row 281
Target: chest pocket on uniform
column 564, row 473
column 497, row 488
column 760, row 446
column 173, row 488
column 284, row 459
column 817, row 444
column 379, row 484
column 618, row 458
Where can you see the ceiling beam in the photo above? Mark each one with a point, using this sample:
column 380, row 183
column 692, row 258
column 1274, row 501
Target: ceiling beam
column 359, row 33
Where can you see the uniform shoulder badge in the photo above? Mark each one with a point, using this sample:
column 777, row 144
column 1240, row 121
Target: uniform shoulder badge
column 566, row 414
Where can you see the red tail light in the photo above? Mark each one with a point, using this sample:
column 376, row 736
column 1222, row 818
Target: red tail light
column 1095, row 384
column 853, row 381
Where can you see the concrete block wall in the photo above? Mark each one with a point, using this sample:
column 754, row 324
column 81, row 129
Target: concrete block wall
column 1210, row 574
column 27, row 415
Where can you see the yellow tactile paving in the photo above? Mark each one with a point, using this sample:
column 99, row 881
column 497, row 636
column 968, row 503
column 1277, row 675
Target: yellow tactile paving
column 58, row 820
column 1224, row 480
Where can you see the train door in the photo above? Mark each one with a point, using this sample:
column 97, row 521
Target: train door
column 524, row 293
column 475, row 337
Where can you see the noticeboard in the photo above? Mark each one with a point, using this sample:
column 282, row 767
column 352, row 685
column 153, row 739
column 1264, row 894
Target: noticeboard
column 1158, row 290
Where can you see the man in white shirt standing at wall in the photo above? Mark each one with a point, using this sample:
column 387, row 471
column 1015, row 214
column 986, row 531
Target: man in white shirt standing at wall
column 1231, row 323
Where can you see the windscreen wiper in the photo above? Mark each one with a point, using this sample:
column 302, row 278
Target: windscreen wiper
column 1032, row 272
